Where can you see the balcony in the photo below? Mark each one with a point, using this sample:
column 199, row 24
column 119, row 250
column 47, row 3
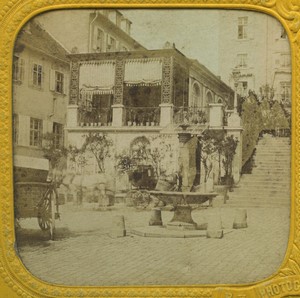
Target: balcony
column 151, row 117
column 95, row 117
column 191, row 115
column 142, row 116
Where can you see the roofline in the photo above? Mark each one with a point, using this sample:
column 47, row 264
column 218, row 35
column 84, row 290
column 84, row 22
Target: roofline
column 66, row 61
column 124, row 34
column 195, row 63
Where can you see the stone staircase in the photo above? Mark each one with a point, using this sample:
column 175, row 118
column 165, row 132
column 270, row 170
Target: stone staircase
column 269, row 183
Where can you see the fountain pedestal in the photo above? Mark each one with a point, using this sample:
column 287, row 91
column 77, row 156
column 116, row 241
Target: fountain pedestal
column 182, row 219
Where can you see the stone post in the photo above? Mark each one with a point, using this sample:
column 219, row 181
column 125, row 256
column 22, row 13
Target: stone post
column 166, row 114
column 216, row 114
column 117, row 116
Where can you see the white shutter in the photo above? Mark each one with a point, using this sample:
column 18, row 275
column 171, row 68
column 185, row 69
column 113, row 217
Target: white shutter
column 94, row 41
column 65, row 84
column 30, row 76
column 52, row 80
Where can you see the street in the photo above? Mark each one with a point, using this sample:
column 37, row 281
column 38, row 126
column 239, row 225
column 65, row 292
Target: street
column 84, row 253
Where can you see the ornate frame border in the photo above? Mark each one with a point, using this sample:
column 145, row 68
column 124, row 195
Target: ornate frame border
column 16, row 281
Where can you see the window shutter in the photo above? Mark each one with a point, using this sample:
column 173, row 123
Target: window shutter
column 31, row 73
column 65, row 84
column 52, row 80
column 94, row 41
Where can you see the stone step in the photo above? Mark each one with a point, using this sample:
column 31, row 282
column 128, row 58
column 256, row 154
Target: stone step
column 264, row 178
column 255, row 205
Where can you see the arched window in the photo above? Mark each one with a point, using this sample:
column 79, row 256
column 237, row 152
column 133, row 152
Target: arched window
column 220, row 100
column 196, row 96
column 209, row 97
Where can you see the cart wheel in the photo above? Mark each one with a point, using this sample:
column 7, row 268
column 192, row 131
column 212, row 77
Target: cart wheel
column 46, row 213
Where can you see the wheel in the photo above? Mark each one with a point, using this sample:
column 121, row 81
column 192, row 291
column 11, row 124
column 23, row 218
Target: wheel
column 46, row 213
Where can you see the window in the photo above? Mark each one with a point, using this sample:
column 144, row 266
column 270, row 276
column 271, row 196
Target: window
column 37, row 75
column 124, row 49
column 285, row 91
column 111, row 44
column 15, row 128
column 18, row 69
column 58, row 135
column 242, row 27
column 36, row 131
column 195, row 99
column 285, row 60
column 242, row 60
column 59, row 82
column 99, row 40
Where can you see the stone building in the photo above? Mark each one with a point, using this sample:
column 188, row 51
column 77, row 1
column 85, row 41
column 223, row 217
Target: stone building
column 257, row 46
column 146, row 96
column 40, row 96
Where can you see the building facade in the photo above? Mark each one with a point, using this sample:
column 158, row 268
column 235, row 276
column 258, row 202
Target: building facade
column 257, row 46
column 93, row 31
column 147, row 96
column 40, row 95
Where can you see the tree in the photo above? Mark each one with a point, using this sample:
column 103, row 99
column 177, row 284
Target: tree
column 56, row 155
column 99, row 144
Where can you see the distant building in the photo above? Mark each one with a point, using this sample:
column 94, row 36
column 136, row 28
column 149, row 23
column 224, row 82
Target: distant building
column 40, row 96
column 257, row 45
column 91, row 31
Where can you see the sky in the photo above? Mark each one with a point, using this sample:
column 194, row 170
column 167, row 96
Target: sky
column 194, row 31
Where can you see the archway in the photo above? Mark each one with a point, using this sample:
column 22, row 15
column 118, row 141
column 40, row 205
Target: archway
column 143, row 176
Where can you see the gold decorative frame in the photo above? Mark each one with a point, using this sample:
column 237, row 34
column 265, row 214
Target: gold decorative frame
column 16, row 281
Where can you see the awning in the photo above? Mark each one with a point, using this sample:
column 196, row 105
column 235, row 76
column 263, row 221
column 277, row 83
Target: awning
column 144, row 72
column 97, row 77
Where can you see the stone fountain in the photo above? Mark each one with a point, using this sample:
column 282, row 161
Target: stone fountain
column 182, row 200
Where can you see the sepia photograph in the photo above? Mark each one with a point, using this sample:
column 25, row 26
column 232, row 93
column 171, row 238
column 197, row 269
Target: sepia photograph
column 152, row 146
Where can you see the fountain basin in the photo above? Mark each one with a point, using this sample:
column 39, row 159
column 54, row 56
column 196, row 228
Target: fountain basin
column 181, row 201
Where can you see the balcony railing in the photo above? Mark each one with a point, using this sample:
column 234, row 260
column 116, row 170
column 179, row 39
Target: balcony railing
column 191, row 115
column 142, row 116
column 95, row 117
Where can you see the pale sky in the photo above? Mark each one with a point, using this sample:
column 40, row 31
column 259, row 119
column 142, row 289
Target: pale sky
column 194, row 31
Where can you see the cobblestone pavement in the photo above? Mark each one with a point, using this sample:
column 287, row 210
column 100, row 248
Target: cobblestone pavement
column 84, row 253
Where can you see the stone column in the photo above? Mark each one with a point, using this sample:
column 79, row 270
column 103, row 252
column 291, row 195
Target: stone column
column 184, row 158
column 118, row 107
column 216, row 114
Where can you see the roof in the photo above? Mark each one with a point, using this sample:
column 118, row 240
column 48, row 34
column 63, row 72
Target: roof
column 34, row 36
